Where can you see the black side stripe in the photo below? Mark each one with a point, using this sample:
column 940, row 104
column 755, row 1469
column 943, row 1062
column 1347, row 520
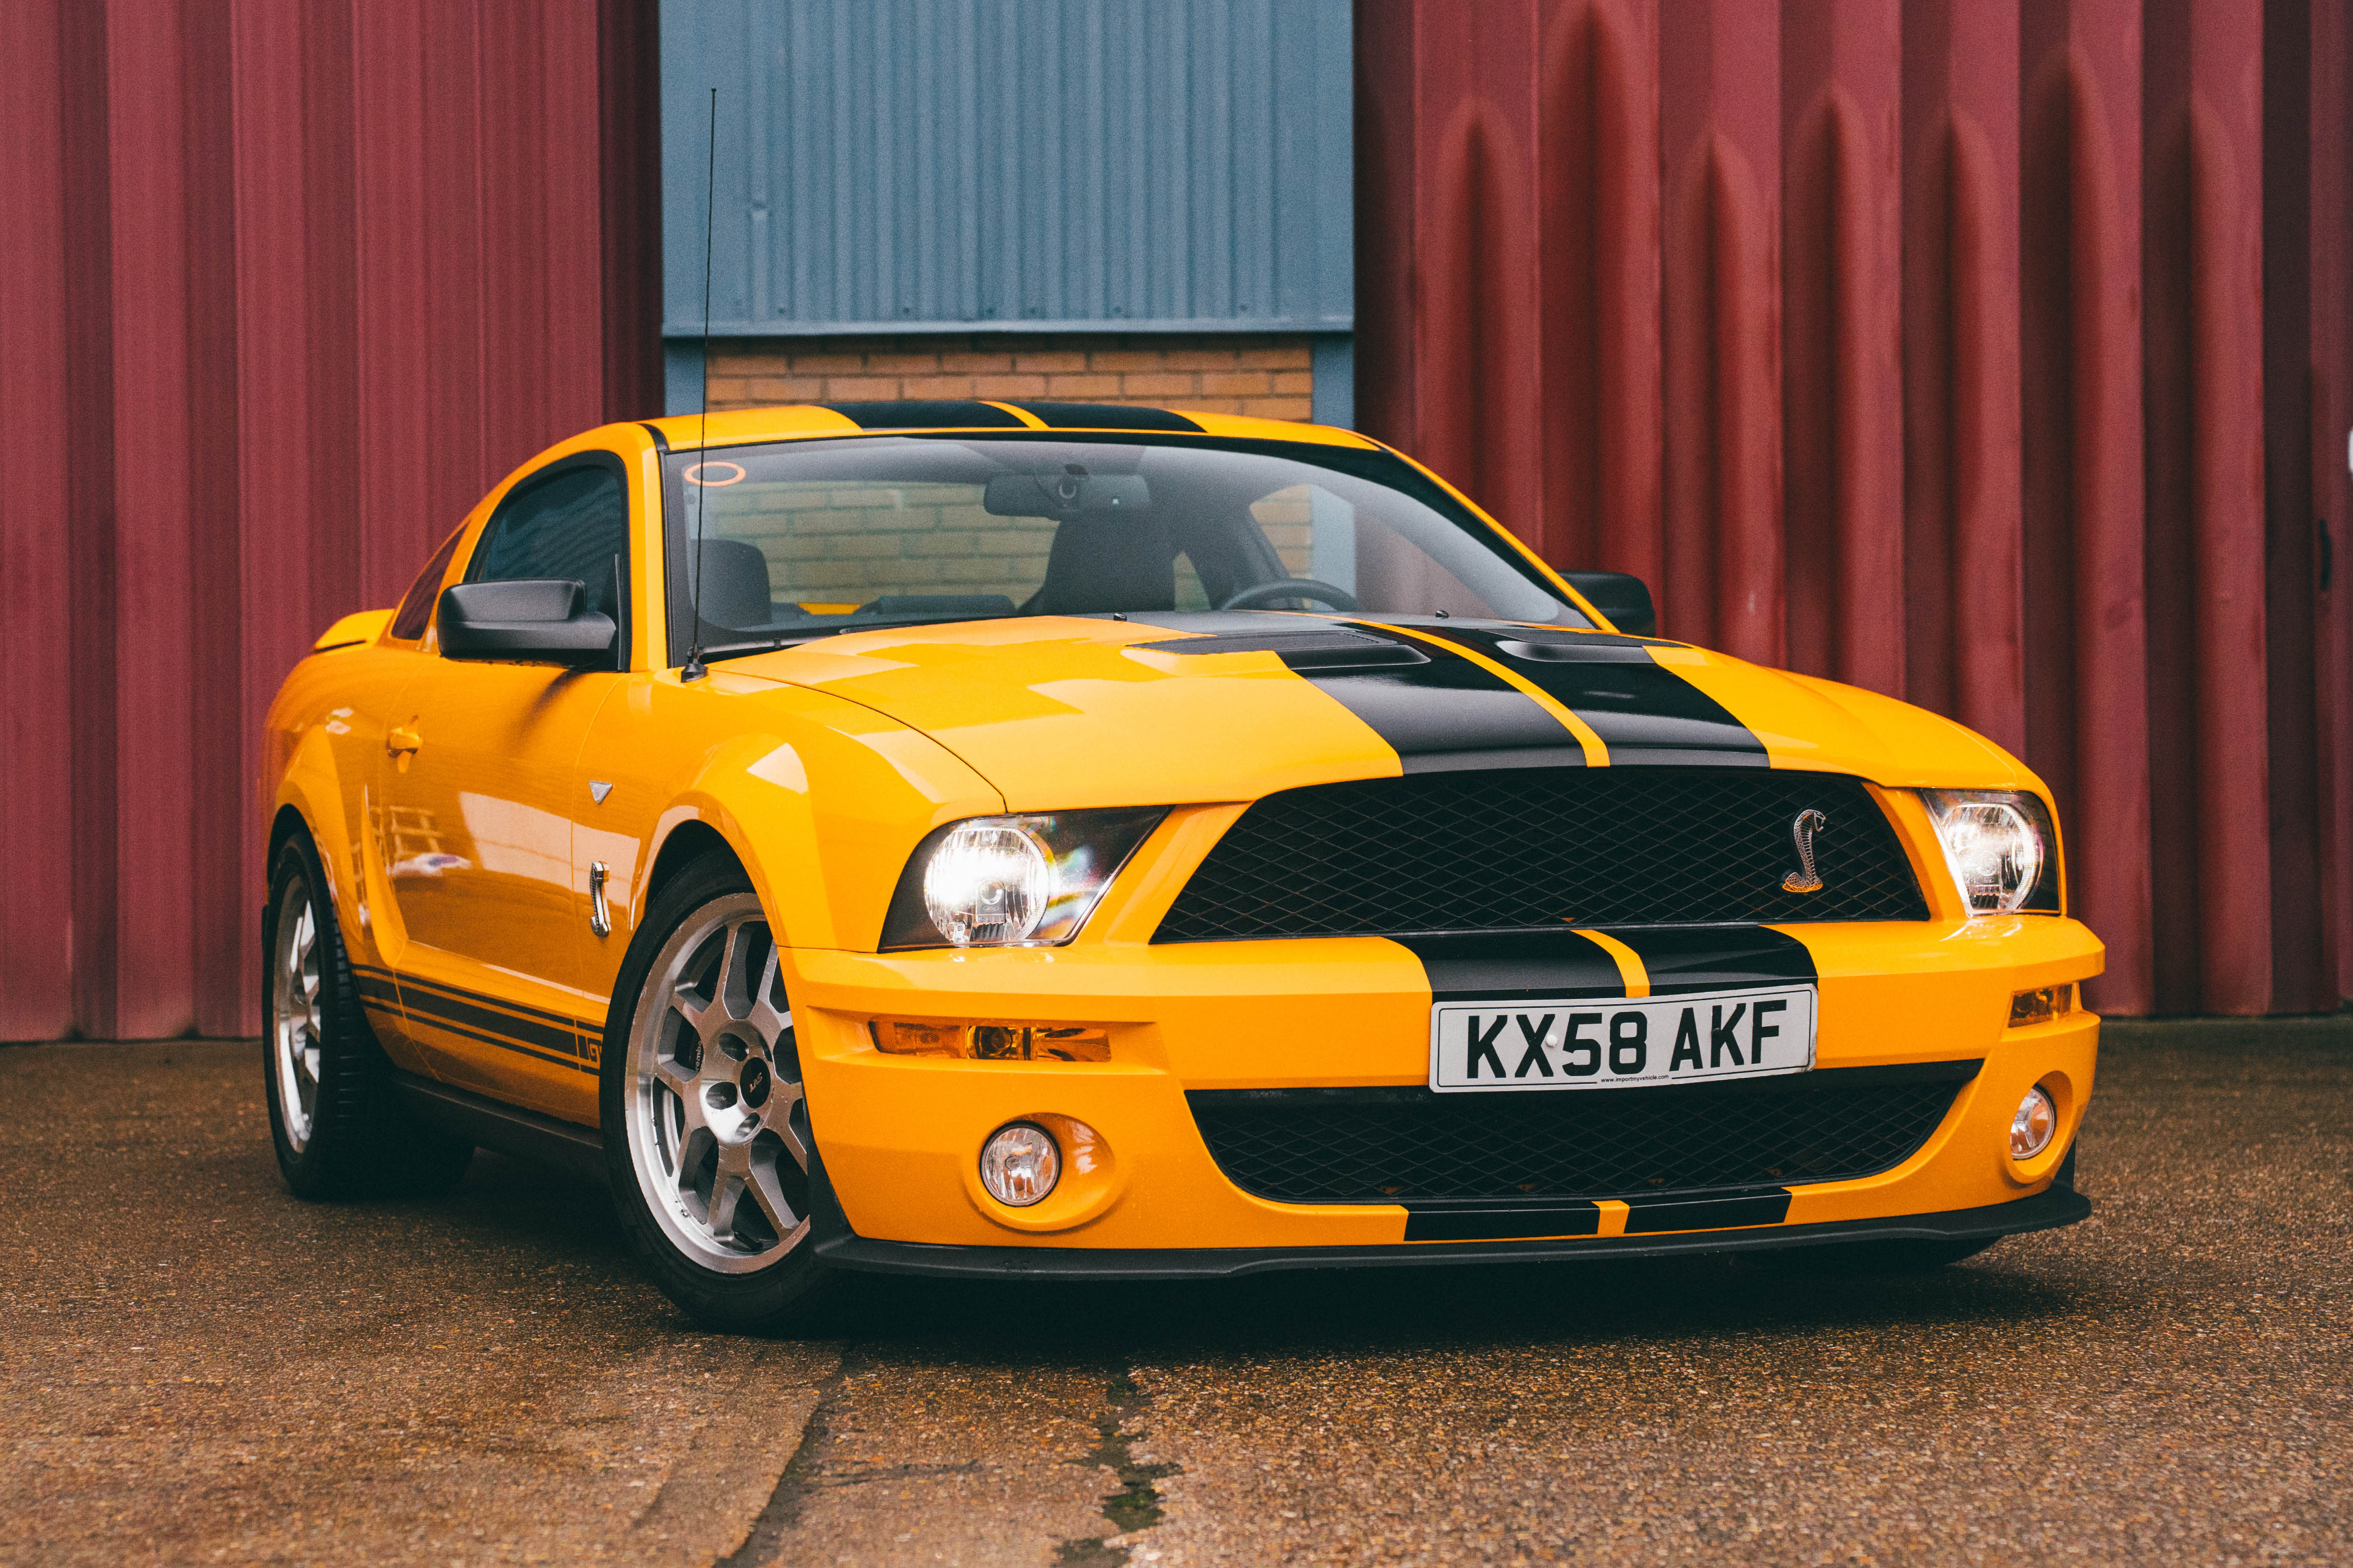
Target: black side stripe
column 410, row 983
column 1717, row 958
column 494, row 1021
column 1445, row 713
column 1504, row 965
column 1644, row 712
column 560, row 1058
column 470, row 1016
column 413, row 990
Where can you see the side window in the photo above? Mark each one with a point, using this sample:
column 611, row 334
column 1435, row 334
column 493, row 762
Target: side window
column 573, row 525
column 416, row 605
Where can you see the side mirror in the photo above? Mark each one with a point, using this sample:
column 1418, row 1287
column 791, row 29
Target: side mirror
column 1624, row 599
column 532, row 621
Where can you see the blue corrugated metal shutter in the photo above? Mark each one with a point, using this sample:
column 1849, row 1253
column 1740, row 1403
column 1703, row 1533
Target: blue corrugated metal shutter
column 1041, row 166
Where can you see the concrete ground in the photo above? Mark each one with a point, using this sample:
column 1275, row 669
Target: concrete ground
column 196, row 1368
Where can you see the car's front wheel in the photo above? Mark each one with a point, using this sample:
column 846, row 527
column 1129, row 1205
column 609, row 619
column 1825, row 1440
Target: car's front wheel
column 707, row 1136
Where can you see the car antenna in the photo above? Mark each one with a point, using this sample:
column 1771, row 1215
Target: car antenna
column 696, row 669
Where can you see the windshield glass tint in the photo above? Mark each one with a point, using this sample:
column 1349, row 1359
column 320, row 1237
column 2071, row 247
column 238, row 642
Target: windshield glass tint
column 803, row 538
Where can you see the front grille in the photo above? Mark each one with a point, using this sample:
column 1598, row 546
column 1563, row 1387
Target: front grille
column 1388, row 1145
column 1531, row 848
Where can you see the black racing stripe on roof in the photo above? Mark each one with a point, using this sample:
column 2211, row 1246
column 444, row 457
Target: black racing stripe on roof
column 1644, row 712
column 916, row 414
column 1445, row 712
column 1107, row 416
column 1682, row 959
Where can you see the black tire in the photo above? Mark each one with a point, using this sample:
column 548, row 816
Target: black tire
column 1868, row 1259
column 752, row 1276
column 354, row 1138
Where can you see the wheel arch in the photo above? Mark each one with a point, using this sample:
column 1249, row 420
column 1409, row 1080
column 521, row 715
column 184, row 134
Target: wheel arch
column 688, row 841
column 310, row 801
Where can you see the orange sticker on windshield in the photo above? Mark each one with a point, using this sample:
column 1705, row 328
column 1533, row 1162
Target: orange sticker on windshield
column 735, row 474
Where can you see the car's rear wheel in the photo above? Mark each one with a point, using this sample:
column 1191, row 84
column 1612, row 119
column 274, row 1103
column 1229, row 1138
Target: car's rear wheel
column 707, row 1135
column 336, row 1117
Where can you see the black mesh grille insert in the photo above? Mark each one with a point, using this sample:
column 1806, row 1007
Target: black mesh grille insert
column 1531, row 848
column 1388, row 1145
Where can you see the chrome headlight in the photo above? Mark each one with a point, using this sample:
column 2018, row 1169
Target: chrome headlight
column 1012, row 881
column 1999, row 846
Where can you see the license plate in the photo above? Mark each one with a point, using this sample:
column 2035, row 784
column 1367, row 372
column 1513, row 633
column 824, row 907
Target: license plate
column 1620, row 1042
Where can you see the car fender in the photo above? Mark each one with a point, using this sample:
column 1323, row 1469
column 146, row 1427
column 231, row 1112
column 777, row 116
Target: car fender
column 822, row 819
column 310, row 785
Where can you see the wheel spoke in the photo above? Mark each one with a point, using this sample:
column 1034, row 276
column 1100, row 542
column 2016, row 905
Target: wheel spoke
column 697, row 1013
column 773, row 1025
column 732, row 981
column 788, row 1128
column 768, row 1195
column 729, row 1177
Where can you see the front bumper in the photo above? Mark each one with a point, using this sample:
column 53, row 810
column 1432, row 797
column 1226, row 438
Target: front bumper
column 900, row 1136
column 2048, row 1210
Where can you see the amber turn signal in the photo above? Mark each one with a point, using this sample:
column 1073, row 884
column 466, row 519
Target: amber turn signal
column 2040, row 1006
column 993, row 1042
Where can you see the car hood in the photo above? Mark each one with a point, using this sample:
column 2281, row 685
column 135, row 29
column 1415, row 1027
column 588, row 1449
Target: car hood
column 1062, row 712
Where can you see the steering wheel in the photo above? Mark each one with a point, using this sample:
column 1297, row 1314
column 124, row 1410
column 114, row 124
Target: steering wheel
column 1260, row 593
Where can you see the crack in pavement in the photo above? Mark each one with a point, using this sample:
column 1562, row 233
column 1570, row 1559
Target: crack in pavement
column 765, row 1541
column 1135, row 1507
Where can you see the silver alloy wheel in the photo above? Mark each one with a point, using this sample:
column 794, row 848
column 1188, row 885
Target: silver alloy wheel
column 712, row 1108
column 295, row 1025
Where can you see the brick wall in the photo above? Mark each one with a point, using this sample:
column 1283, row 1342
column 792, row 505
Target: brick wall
column 1266, row 377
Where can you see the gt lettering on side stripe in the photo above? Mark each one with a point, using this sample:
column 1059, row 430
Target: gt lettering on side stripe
column 1620, row 1042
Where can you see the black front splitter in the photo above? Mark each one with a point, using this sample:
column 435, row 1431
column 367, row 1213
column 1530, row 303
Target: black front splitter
column 2059, row 1205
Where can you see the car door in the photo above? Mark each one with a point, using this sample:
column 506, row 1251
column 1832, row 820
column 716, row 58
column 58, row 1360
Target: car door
column 477, row 788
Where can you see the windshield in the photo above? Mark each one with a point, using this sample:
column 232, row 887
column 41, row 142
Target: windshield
column 801, row 538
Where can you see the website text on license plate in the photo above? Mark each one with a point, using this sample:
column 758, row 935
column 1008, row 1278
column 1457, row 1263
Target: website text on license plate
column 1620, row 1042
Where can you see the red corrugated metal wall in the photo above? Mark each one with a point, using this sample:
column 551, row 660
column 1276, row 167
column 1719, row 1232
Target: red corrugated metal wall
column 1993, row 353
column 285, row 287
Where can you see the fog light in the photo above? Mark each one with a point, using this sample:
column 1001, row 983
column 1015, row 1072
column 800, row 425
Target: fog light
column 2029, row 1130
column 1019, row 1164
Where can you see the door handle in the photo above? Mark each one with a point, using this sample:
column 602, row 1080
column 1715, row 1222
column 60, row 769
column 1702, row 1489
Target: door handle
column 400, row 738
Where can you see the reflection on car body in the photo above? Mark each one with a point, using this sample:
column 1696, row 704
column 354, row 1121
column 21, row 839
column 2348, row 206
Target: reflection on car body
column 1047, row 838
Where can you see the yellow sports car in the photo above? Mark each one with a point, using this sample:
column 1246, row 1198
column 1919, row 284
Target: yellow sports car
column 971, row 838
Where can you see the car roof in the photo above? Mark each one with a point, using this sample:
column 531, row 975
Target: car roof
column 741, row 426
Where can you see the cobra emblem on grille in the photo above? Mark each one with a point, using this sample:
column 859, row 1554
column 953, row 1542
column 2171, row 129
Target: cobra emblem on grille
column 1807, row 823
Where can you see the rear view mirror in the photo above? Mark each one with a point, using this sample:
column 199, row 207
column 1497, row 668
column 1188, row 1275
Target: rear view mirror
column 1066, row 495
column 529, row 621
column 1624, row 599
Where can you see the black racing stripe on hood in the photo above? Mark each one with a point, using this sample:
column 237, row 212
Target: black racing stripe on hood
column 1474, row 966
column 1683, row 959
column 1443, row 712
column 1647, row 715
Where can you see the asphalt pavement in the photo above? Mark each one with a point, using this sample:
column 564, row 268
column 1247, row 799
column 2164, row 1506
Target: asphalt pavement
column 194, row 1367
